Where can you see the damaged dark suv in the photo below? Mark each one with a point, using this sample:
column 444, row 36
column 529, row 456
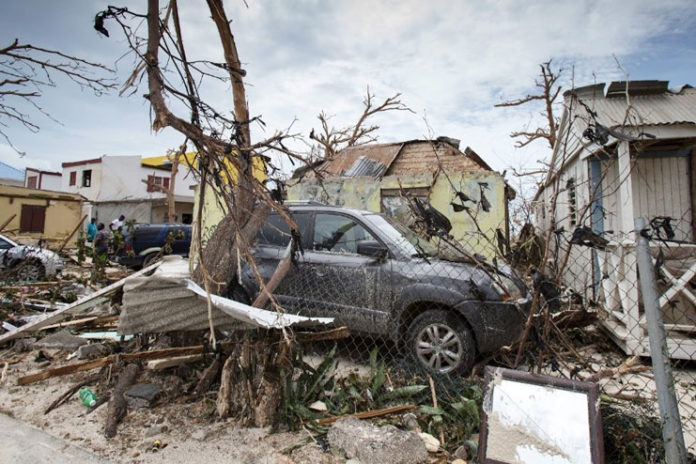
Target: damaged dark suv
column 377, row 277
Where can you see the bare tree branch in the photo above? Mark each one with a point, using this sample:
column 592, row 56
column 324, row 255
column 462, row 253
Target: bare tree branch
column 26, row 70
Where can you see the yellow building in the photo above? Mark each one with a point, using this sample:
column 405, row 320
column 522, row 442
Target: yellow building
column 381, row 178
column 39, row 215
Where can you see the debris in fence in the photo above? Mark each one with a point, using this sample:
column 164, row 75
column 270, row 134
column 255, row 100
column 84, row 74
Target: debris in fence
column 369, row 443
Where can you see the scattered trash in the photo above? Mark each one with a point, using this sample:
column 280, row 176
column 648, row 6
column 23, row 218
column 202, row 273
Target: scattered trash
column 88, row 397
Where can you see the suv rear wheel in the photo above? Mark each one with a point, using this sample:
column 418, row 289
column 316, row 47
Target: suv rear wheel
column 441, row 342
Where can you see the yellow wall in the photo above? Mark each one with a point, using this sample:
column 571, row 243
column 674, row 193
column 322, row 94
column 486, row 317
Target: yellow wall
column 365, row 193
column 214, row 208
column 63, row 212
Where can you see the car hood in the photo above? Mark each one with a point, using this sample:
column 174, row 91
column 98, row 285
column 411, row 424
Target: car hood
column 51, row 260
column 454, row 273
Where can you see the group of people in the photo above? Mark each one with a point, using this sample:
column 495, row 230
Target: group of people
column 99, row 236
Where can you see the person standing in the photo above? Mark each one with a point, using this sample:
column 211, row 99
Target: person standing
column 101, row 240
column 92, row 230
column 117, row 224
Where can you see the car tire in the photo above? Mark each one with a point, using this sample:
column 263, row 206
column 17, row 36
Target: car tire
column 441, row 342
column 31, row 270
column 151, row 258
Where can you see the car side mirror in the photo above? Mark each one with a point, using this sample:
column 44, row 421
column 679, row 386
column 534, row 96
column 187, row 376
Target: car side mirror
column 372, row 248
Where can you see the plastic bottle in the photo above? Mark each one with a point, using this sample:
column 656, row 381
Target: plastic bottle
column 88, row 397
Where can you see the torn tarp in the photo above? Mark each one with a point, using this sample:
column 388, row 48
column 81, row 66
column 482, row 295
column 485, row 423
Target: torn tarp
column 169, row 301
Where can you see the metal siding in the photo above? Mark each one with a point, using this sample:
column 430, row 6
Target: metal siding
column 661, row 187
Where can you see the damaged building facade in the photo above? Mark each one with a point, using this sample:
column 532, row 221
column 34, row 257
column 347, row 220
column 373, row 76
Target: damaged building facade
column 625, row 150
column 129, row 185
column 387, row 177
column 35, row 215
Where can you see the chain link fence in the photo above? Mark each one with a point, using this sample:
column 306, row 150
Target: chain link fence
column 600, row 272
column 418, row 320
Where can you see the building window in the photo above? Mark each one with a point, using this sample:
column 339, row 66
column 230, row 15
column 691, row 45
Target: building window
column 32, row 219
column 572, row 202
column 73, row 178
column 31, row 182
column 87, row 178
column 157, row 184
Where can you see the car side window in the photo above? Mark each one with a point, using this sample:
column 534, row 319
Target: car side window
column 4, row 245
column 276, row 232
column 338, row 234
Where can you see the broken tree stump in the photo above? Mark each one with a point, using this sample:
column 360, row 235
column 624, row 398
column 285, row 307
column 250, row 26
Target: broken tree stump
column 208, row 377
column 117, row 404
column 250, row 381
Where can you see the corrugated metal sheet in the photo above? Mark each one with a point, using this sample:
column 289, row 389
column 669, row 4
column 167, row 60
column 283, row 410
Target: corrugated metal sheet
column 381, row 153
column 168, row 301
column 365, row 167
column 654, row 110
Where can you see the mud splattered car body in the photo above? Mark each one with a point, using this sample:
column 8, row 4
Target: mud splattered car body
column 29, row 262
column 377, row 277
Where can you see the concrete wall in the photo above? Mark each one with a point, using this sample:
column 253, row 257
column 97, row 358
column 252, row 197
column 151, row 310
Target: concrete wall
column 63, row 212
column 366, row 193
column 91, row 192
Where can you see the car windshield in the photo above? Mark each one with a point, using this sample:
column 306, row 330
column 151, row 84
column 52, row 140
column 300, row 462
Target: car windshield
column 403, row 237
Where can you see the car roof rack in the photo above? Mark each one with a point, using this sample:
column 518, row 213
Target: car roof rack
column 304, row 203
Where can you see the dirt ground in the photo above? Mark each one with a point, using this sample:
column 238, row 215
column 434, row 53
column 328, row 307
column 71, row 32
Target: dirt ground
column 188, row 432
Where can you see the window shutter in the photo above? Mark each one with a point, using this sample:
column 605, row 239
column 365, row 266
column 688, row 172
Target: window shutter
column 33, row 218
column 166, row 182
column 73, row 178
column 150, row 183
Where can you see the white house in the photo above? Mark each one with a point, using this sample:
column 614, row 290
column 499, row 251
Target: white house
column 625, row 150
column 129, row 185
column 42, row 180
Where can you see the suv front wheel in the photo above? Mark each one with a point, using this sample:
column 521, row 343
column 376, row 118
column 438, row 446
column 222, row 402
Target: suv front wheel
column 441, row 342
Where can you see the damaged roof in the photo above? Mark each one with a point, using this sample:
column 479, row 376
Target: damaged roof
column 410, row 157
column 652, row 103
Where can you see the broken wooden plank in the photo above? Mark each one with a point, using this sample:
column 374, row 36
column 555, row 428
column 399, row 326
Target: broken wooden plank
column 333, row 334
column 98, row 321
column 161, row 364
column 369, row 414
column 4, row 224
column 67, row 239
column 89, row 365
column 29, row 285
column 83, row 303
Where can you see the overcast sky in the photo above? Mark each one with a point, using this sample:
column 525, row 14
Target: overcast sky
column 450, row 60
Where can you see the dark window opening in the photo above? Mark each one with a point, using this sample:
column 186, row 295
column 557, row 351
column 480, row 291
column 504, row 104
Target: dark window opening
column 186, row 218
column 32, row 219
column 572, row 202
column 87, row 178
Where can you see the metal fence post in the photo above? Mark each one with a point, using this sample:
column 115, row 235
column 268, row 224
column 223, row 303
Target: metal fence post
column 675, row 450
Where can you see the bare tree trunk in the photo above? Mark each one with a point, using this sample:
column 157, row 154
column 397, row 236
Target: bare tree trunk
column 171, row 200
